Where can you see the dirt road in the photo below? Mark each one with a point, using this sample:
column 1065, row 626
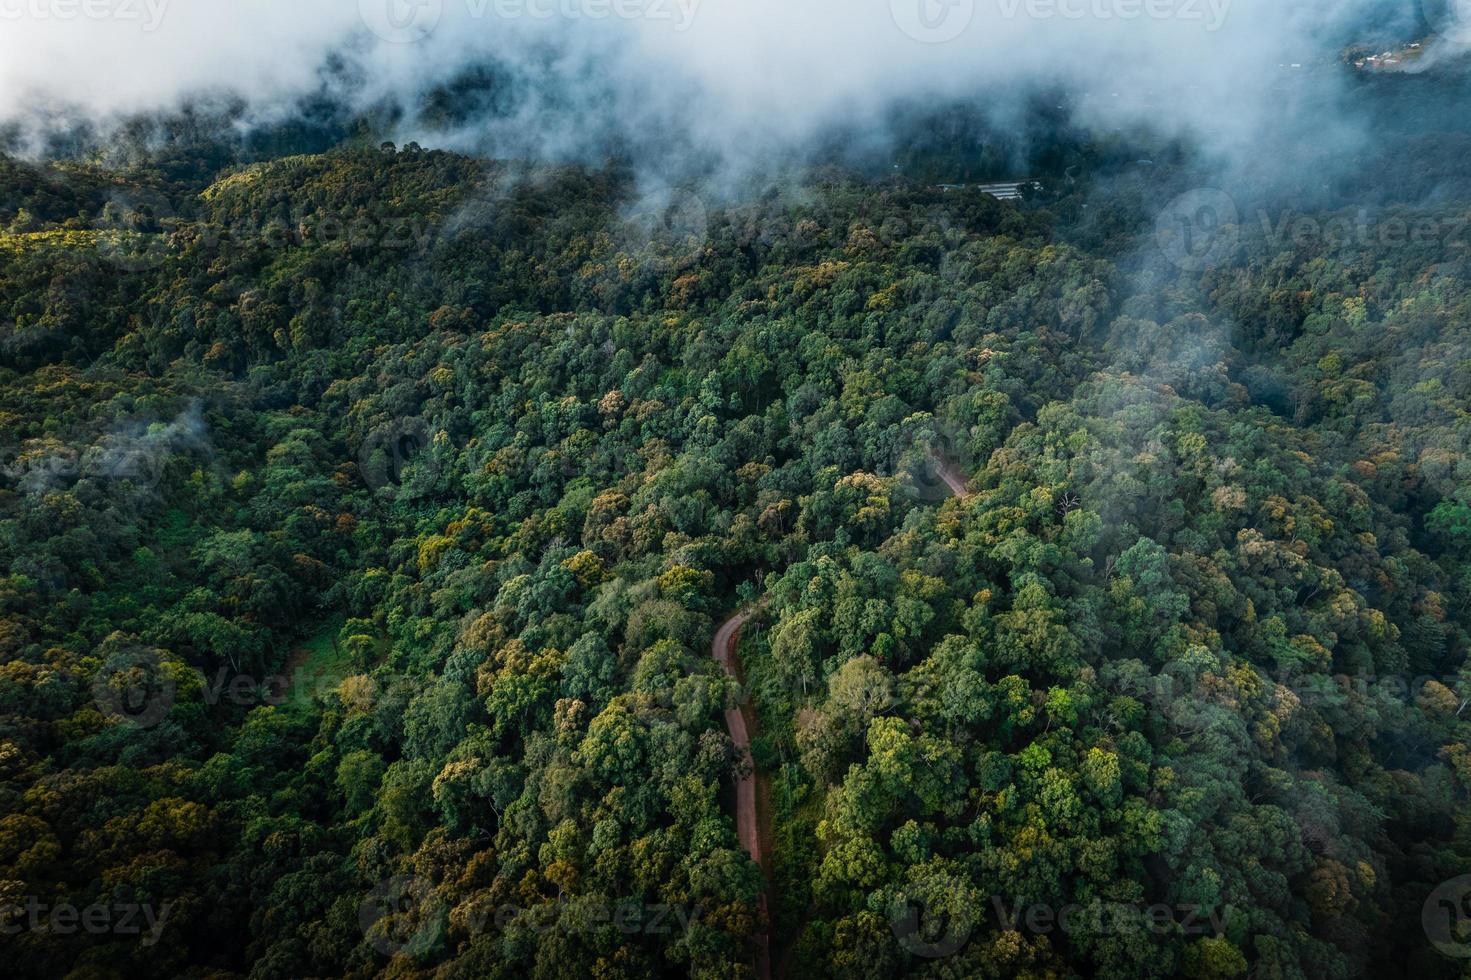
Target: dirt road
column 954, row 480
column 748, row 815
column 752, row 808
column 747, row 828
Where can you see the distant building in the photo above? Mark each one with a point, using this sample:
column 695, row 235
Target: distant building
column 1010, row 190
column 1379, row 62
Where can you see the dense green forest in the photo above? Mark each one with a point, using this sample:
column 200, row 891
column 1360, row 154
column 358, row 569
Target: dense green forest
column 366, row 516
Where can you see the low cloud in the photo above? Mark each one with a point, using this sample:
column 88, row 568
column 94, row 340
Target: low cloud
column 739, row 82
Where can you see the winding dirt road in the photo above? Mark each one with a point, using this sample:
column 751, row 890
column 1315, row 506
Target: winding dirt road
column 753, row 809
column 747, row 828
column 748, row 813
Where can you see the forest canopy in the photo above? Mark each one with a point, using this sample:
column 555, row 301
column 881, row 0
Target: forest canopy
column 366, row 517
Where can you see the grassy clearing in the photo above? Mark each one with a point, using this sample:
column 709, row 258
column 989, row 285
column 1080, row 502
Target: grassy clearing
column 317, row 664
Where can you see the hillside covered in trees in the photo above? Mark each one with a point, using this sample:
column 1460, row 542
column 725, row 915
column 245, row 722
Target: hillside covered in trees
column 366, row 517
